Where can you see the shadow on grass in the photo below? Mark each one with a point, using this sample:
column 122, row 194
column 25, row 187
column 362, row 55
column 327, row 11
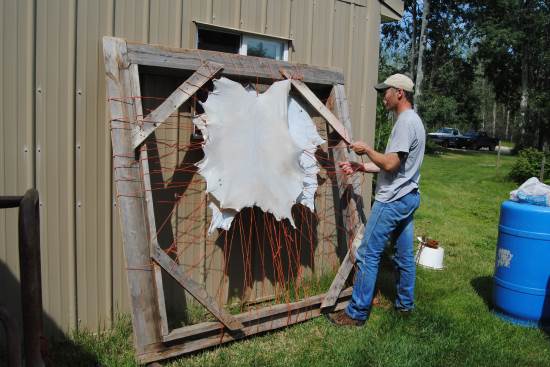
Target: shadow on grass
column 51, row 354
column 484, row 287
column 68, row 353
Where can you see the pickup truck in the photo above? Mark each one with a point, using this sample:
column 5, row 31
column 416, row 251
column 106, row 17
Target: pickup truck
column 448, row 137
column 479, row 139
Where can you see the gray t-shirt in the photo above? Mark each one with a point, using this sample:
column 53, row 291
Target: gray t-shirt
column 408, row 136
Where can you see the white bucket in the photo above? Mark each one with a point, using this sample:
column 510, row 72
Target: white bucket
column 430, row 257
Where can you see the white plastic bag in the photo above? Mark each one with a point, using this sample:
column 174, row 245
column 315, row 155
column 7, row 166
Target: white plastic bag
column 532, row 191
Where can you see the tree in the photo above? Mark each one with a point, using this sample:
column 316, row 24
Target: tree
column 515, row 53
column 445, row 75
column 421, row 47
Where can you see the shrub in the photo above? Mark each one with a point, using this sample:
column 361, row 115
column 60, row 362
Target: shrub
column 528, row 165
column 432, row 148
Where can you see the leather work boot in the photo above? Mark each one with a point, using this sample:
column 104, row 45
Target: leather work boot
column 341, row 318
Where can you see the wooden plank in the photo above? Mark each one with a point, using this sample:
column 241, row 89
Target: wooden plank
column 234, row 65
column 159, row 287
column 188, row 88
column 132, row 88
column 251, row 316
column 319, row 106
column 342, row 275
column 349, row 188
column 194, row 289
column 131, row 203
column 213, row 333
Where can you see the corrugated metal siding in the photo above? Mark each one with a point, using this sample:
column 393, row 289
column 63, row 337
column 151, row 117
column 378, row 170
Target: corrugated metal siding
column 16, row 134
column 55, row 155
column 93, row 168
column 54, row 125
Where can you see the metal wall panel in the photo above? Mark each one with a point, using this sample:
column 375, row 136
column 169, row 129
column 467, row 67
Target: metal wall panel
column 201, row 10
column 321, row 39
column 52, row 92
column 278, row 18
column 301, row 29
column 132, row 20
column 356, row 68
column 93, row 169
column 55, row 129
column 226, row 13
column 16, row 135
column 341, row 40
column 166, row 22
column 253, row 15
column 370, row 76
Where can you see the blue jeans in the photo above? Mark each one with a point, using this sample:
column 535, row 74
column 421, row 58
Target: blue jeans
column 387, row 221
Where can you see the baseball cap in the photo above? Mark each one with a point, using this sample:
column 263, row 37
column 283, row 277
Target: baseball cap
column 399, row 81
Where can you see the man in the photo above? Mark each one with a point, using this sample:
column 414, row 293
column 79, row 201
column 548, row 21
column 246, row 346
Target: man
column 396, row 200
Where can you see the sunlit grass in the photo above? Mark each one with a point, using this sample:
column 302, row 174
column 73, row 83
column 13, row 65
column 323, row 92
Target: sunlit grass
column 452, row 325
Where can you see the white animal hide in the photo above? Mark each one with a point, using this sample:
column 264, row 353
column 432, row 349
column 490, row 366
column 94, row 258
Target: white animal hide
column 257, row 152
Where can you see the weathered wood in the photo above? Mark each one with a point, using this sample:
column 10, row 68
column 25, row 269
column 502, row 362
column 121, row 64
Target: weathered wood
column 195, row 289
column 152, row 338
column 159, row 287
column 134, row 89
column 349, row 188
column 131, row 202
column 188, row 88
column 234, row 65
column 212, row 334
column 319, row 106
column 342, row 275
column 251, row 316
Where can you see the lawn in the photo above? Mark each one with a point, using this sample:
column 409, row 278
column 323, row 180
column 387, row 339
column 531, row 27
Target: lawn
column 451, row 326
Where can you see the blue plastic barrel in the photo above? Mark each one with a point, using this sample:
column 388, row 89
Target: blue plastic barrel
column 521, row 292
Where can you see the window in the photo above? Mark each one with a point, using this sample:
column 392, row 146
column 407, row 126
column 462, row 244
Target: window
column 235, row 41
column 218, row 41
column 263, row 47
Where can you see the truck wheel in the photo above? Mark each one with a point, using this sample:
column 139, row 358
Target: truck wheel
column 491, row 148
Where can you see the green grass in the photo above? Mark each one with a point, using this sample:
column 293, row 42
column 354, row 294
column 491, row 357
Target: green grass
column 452, row 325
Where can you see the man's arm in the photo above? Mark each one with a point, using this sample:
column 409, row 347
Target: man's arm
column 388, row 162
column 352, row 167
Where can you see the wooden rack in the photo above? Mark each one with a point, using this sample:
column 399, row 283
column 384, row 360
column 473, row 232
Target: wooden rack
column 145, row 259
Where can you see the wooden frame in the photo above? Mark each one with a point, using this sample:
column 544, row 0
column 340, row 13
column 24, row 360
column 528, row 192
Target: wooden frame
column 145, row 259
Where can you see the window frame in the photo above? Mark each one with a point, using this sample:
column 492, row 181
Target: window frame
column 286, row 43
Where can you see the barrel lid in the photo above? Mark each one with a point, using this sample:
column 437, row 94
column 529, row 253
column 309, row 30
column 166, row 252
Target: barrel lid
column 525, row 217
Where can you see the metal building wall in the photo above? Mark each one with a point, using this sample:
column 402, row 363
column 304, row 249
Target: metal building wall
column 54, row 132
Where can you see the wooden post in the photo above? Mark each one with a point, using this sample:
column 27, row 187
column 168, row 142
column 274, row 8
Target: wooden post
column 349, row 189
column 130, row 197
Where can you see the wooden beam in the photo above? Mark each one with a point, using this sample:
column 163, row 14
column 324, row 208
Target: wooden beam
column 319, row 106
column 133, row 88
column 130, row 199
column 161, row 300
column 343, row 274
column 188, row 88
column 234, row 65
column 210, row 334
column 251, row 316
column 194, row 289
column 349, row 188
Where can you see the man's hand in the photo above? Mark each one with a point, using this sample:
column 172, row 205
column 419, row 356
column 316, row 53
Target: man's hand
column 359, row 147
column 351, row 167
